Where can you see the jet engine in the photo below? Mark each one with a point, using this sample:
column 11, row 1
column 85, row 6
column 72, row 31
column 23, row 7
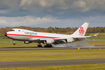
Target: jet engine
column 49, row 41
column 70, row 39
column 26, row 42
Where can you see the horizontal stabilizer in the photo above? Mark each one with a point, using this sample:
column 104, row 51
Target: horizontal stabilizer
column 82, row 37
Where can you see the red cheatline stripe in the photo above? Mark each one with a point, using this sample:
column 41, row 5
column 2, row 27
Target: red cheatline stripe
column 32, row 36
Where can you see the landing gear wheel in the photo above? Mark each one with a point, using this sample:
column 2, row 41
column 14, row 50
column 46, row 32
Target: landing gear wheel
column 39, row 45
column 14, row 43
column 48, row 45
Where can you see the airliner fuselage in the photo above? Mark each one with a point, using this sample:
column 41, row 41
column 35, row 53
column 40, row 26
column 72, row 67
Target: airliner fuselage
column 29, row 36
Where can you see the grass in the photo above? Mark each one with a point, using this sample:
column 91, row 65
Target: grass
column 101, row 36
column 97, row 43
column 97, row 38
column 38, row 55
column 14, row 56
column 66, row 67
column 17, row 45
column 20, row 44
column 9, row 43
column 5, row 42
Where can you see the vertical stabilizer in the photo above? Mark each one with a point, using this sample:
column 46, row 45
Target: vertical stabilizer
column 81, row 30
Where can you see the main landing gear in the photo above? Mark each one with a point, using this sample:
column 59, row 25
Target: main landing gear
column 47, row 45
column 39, row 45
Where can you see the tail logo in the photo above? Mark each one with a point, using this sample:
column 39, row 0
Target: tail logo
column 81, row 30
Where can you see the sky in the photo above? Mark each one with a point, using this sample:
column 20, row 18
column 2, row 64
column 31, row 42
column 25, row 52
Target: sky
column 54, row 13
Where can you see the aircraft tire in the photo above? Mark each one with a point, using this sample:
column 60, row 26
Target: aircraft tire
column 39, row 45
column 48, row 45
column 14, row 44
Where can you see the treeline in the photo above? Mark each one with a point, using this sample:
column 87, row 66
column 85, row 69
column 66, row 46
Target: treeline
column 67, row 30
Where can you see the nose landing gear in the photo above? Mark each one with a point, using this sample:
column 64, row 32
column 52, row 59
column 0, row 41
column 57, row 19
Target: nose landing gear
column 14, row 43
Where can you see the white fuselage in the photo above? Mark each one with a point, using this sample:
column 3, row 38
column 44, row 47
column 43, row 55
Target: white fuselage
column 22, row 34
column 48, row 38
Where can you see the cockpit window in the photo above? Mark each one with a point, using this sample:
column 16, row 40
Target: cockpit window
column 12, row 30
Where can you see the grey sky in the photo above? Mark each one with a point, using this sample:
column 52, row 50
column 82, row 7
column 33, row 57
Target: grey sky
column 45, row 13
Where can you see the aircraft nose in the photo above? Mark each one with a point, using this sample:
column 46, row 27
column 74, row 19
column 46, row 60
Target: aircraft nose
column 6, row 34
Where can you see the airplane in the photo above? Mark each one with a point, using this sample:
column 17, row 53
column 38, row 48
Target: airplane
column 96, row 35
column 49, row 39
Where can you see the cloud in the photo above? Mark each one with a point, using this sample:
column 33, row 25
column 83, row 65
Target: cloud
column 50, row 21
column 36, row 12
column 80, row 5
column 3, row 22
column 3, row 12
column 51, row 6
column 86, row 5
column 25, row 21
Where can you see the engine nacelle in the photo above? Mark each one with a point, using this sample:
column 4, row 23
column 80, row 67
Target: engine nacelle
column 26, row 42
column 49, row 41
column 70, row 39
